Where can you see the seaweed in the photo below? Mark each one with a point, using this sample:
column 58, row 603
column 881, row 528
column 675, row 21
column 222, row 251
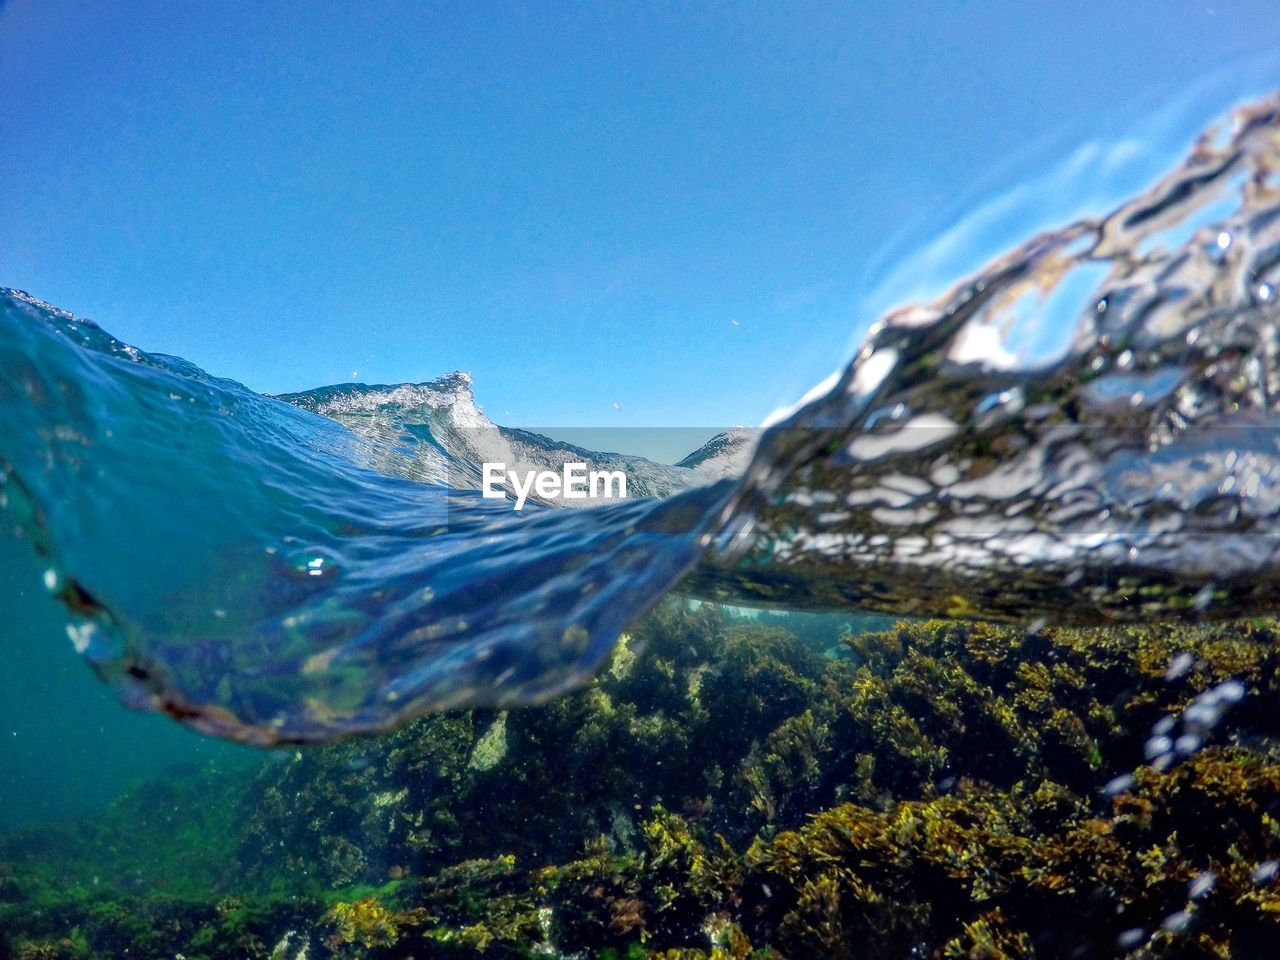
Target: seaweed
column 727, row 790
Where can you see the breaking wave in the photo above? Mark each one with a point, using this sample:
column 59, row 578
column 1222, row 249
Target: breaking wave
column 1084, row 430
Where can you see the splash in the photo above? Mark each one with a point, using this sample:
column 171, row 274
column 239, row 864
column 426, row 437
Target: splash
column 1084, row 430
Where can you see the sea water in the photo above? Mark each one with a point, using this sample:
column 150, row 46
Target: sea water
column 1040, row 509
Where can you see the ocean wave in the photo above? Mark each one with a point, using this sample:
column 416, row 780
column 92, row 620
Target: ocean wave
column 1083, row 431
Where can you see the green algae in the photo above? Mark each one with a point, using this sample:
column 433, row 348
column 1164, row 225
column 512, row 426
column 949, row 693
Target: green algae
column 728, row 789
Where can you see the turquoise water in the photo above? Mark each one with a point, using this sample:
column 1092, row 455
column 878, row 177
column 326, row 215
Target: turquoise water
column 616, row 730
column 67, row 747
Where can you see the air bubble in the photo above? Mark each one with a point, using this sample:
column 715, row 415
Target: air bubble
column 1121, row 784
column 314, row 562
column 1131, row 938
column 1179, row 666
column 1231, row 692
column 1187, row 744
column 1178, row 922
column 1201, row 884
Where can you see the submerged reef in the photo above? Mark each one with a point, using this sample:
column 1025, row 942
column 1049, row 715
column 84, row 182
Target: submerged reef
column 728, row 789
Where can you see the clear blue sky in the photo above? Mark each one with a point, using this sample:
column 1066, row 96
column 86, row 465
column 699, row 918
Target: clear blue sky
column 573, row 201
